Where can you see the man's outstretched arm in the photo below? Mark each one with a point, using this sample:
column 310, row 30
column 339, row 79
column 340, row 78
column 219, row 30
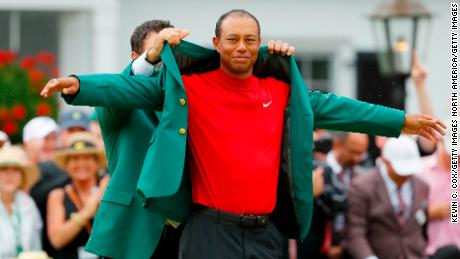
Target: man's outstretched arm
column 340, row 113
column 128, row 92
column 118, row 90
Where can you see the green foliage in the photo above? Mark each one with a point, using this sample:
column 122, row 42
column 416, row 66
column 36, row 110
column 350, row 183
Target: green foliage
column 20, row 83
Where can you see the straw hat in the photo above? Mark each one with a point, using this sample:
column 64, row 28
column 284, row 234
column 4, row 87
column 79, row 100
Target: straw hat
column 80, row 143
column 16, row 157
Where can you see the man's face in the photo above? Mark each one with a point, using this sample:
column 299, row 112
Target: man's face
column 49, row 146
column 42, row 149
column 238, row 45
column 352, row 150
column 395, row 176
column 147, row 43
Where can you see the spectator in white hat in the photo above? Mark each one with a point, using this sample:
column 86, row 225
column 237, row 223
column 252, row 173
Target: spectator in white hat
column 40, row 142
column 40, row 139
column 20, row 221
column 387, row 210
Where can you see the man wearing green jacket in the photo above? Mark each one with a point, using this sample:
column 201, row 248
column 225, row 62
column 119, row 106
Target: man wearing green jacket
column 246, row 120
column 126, row 133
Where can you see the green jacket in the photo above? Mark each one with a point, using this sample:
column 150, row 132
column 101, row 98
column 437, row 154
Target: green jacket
column 126, row 135
column 164, row 183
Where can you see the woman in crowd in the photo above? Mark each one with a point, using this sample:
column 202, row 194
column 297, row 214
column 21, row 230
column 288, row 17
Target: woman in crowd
column 71, row 209
column 20, row 222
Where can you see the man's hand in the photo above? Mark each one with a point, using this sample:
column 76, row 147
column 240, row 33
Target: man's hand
column 423, row 125
column 171, row 35
column 419, row 72
column 279, row 47
column 65, row 85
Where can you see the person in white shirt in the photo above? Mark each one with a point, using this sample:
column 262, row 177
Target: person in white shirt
column 20, row 221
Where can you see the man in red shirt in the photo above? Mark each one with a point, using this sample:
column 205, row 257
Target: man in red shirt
column 235, row 128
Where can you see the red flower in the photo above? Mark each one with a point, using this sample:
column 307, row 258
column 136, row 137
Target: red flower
column 46, row 58
column 10, row 127
column 43, row 109
column 7, row 56
column 3, row 113
column 28, row 63
column 36, row 76
column 19, row 112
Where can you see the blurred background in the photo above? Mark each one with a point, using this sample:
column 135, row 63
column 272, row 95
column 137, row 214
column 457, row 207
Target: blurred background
column 361, row 49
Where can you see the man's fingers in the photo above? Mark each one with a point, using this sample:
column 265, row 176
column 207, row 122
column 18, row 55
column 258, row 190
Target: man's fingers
column 65, row 85
column 425, row 133
column 51, row 87
column 278, row 45
column 432, row 120
column 184, row 33
column 441, row 123
column 174, row 38
column 173, row 35
column 284, row 48
column 177, row 36
column 436, row 134
column 438, row 128
column 435, row 124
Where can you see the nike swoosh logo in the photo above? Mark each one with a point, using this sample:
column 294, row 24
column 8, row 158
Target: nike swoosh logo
column 267, row 104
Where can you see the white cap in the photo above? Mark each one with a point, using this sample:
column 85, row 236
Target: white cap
column 403, row 155
column 38, row 128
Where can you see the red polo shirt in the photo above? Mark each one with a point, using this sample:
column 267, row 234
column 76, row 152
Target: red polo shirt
column 235, row 131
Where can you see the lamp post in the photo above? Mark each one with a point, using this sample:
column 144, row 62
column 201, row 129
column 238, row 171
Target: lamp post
column 396, row 28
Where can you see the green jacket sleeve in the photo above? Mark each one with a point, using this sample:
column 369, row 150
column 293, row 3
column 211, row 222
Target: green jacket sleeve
column 343, row 114
column 122, row 91
column 112, row 117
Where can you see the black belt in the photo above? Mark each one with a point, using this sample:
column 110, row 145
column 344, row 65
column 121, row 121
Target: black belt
column 244, row 220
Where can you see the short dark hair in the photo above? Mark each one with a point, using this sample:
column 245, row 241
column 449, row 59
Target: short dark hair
column 141, row 32
column 234, row 12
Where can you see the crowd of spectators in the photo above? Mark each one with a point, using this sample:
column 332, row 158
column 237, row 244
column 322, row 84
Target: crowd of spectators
column 51, row 185
column 395, row 204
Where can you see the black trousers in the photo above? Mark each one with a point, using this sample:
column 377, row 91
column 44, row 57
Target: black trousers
column 206, row 237
column 168, row 246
